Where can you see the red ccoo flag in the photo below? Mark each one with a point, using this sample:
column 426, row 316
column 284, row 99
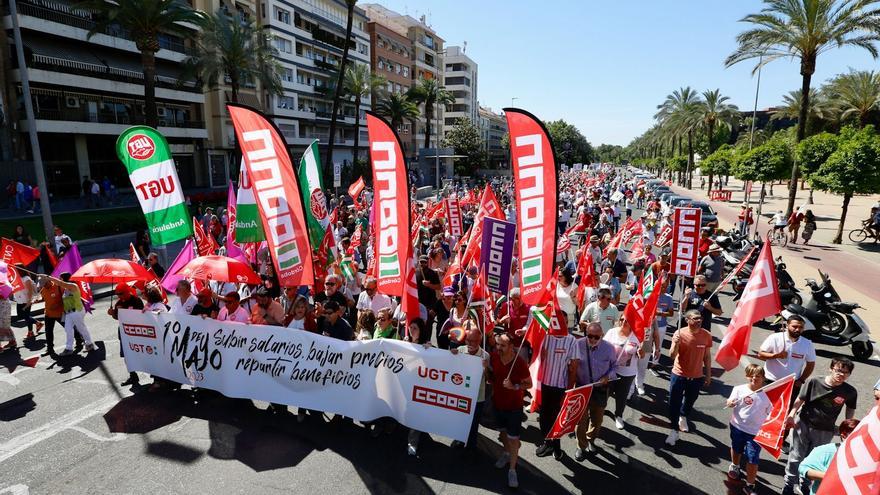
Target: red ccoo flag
column 855, row 468
column 772, row 432
column 205, row 243
column 356, row 188
column 574, row 404
column 760, row 299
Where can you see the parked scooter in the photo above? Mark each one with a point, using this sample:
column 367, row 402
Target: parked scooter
column 829, row 320
column 788, row 291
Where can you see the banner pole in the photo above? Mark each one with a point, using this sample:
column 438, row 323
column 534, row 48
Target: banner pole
column 680, row 298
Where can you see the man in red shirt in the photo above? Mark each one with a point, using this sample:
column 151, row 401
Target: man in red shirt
column 510, row 379
column 705, row 243
column 514, row 315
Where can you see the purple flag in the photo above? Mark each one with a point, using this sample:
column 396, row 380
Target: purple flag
column 187, row 254
column 496, row 254
column 232, row 249
column 5, row 286
column 70, row 262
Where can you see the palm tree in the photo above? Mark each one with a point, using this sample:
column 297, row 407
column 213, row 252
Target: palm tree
column 681, row 112
column 716, row 111
column 429, row 92
column 145, row 20
column 396, row 107
column 233, row 48
column 791, row 109
column 856, row 93
column 360, row 83
column 328, row 163
column 804, row 29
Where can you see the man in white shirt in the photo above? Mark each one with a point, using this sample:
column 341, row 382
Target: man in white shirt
column 786, row 353
column 371, row 300
column 59, row 239
column 185, row 301
column 602, row 312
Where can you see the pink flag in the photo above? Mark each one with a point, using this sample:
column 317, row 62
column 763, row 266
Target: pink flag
column 187, row 254
column 233, row 250
column 760, row 299
column 70, row 263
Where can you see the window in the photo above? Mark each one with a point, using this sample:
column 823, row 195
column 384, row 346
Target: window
column 362, row 48
column 286, row 102
column 381, row 64
column 283, row 45
column 263, row 10
column 397, row 68
column 282, row 15
column 287, row 74
column 390, row 87
column 405, row 71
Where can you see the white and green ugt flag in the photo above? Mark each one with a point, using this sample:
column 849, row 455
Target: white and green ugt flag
column 146, row 155
column 317, row 216
column 248, row 225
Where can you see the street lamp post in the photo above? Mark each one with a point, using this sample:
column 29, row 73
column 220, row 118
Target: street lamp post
column 32, row 123
column 437, row 128
column 512, row 99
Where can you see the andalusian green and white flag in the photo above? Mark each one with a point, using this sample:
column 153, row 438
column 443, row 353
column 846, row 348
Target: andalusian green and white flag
column 311, row 184
column 248, row 226
column 146, row 155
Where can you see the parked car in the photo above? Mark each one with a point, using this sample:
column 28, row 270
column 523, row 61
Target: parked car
column 709, row 217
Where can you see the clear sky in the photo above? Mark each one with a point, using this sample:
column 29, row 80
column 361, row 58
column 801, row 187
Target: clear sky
column 605, row 65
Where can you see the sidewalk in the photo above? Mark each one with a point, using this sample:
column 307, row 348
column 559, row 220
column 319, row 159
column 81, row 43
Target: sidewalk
column 854, row 270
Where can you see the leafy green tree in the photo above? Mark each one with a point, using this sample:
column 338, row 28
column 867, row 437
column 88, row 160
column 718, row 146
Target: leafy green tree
column 234, row 47
column 766, row 163
column 718, row 163
column 360, row 83
column 677, row 165
column 569, row 144
column 429, row 92
column 343, row 63
column 818, row 113
column 812, row 152
column 804, row 29
column 855, row 94
column 396, row 107
column 609, row 153
column 465, row 139
column 854, row 168
column 145, row 20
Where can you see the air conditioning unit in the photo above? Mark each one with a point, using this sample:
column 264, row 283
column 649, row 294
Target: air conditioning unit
column 160, row 111
column 163, row 123
column 71, row 102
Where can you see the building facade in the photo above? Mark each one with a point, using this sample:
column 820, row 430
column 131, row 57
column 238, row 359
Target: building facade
column 460, row 79
column 390, row 58
column 86, row 91
column 309, row 36
column 426, row 62
column 493, row 128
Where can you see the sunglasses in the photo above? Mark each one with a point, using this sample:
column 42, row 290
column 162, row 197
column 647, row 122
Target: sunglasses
column 699, row 285
column 330, row 284
column 594, row 337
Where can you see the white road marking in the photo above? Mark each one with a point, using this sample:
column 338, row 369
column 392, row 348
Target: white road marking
column 15, row 490
column 52, row 428
column 94, row 436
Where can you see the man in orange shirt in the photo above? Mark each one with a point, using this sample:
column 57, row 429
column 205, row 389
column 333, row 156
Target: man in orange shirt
column 692, row 369
column 54, row 309
column 267, row 311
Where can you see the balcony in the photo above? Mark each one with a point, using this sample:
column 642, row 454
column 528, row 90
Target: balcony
column 109, row 117
column 67, row 66
column 69, row 16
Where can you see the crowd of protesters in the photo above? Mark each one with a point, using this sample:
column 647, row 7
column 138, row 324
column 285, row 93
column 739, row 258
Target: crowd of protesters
column 598, row 346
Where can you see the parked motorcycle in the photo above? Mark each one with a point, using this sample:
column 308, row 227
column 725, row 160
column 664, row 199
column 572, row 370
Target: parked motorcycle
column 788, row 291
column 829, row 320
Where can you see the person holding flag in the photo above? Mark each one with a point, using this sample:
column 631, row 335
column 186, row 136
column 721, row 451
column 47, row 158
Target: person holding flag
column 74, row 314
column 786, row 352
column 510, row 378
column 559, row 364
column 597, row 366
column 814, row 415
column 751, row 407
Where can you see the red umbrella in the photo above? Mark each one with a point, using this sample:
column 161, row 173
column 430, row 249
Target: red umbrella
column 111, row 270
column 220, row 268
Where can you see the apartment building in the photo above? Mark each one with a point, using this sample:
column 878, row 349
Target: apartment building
column 460, row 79
column 426, row 59
column 310, row 37
column 390, row 58
column 493, row 128
column 85, row 92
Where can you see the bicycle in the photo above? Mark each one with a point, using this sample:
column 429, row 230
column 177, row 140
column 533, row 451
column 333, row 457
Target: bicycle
column 777, row 237
column 863, row 234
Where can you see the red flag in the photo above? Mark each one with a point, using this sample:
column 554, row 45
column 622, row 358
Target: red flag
column 453, row 217
column 685, row 241
column 639, row 311
column 632, row 229
column 772, row 432
column 664, row 236
column 759, row 300
column 489, row 207
column 574, row 405
column 855, row 468
column 545, row 316
column 233, row 249
column 391, row 183
column 535, row 180
column 615, row 242
column 276, row 190
column 356, row 237
column 133, row 254
column 563, row 245
column 14, row 279
column 586, row 270
column 356, row 188
column 410, row 299
column 637, row 251
column 205, row 244
column 14, row 252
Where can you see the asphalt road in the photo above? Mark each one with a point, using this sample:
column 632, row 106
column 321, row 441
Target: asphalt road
column 68, row 427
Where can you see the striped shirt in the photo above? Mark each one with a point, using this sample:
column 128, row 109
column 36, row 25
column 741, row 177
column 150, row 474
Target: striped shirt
column 556, row 354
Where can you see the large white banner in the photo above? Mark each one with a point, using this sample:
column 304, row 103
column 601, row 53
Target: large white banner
column 429, row 390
